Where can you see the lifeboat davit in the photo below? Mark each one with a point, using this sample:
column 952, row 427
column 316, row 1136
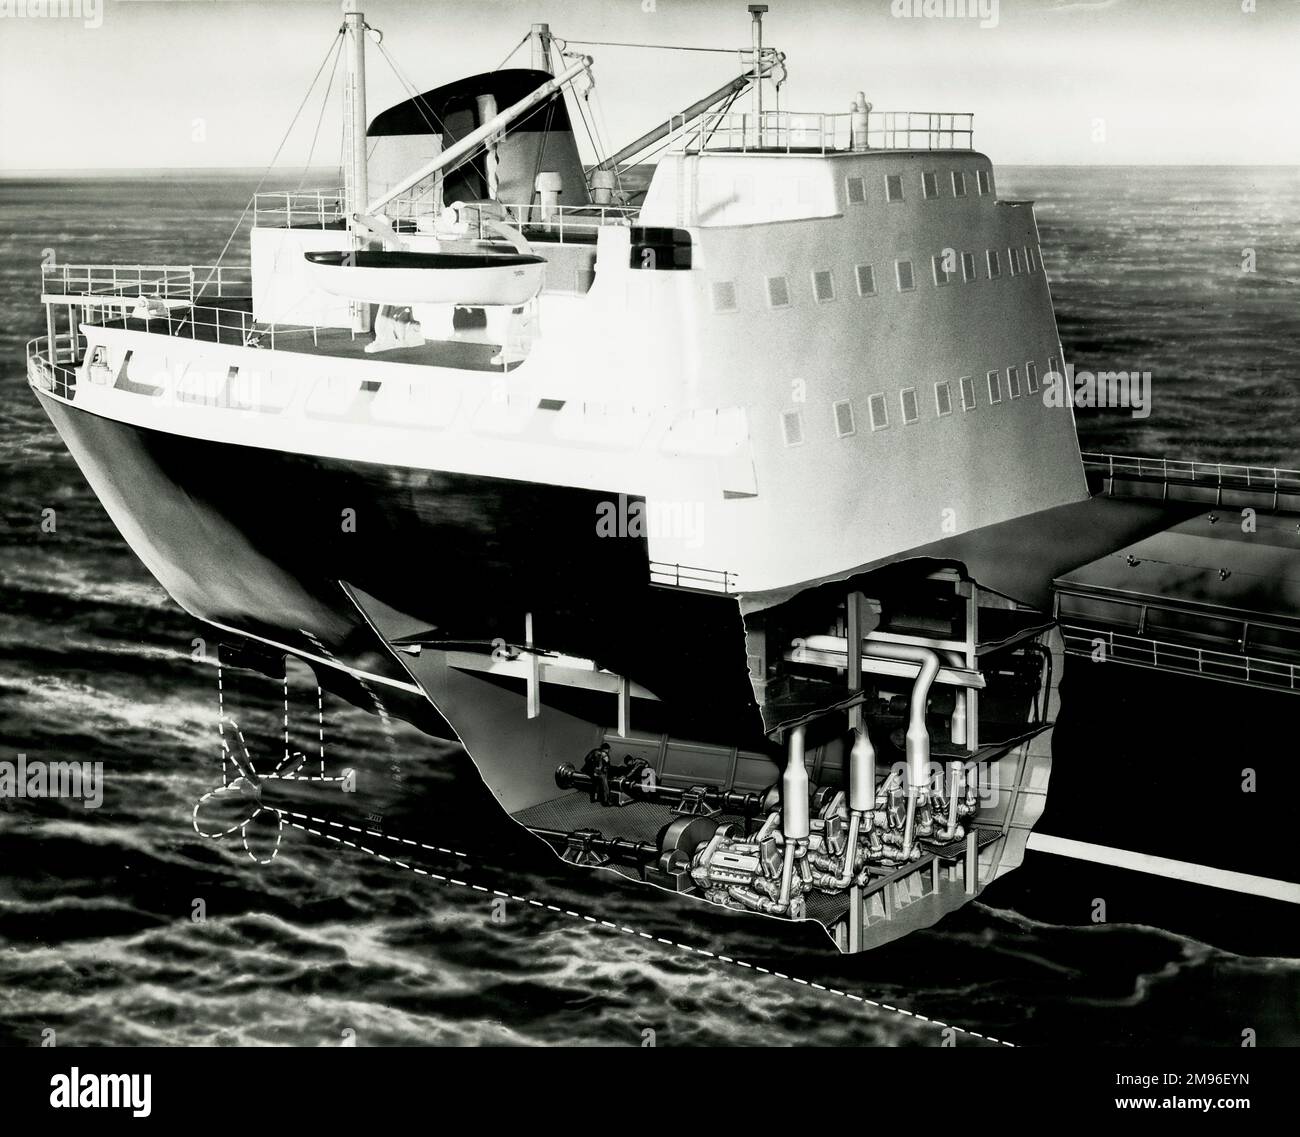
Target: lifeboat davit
column 472, row 279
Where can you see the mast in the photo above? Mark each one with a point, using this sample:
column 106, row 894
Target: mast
column 356, row 181
column 756, row 12
column 539, row 35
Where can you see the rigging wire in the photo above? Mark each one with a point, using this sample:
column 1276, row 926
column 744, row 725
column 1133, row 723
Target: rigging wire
column 579, row 102
column 325, row 102
column 512, row 51
column 669, row 139
column 603, row 131
column 411, row 89
column 334, row 45
column 654, row 46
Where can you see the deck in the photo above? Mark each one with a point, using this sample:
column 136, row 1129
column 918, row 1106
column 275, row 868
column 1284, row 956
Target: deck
column 1215, row 594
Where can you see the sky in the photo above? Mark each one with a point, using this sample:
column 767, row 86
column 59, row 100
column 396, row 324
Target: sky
column 216, row 83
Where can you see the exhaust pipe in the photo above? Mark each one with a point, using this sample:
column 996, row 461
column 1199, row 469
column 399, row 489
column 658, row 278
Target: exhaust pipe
column 795, row 822
column 918, row 737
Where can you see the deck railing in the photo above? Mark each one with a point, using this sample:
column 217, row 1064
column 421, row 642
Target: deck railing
column 47, row 363
column 1164, row 655
column 303, row 209
column 164, row 282
column 214, row 324
column 321, row 209
column 1209, row 473
column 692, row 577
column 790, row 132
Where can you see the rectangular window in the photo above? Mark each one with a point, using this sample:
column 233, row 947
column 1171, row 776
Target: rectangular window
column 1031, row 377
column 995, row 265
column 985, row 183
column 866, row 280
column 1013, row 381
column 911, row 409
column 1054, row 368
column 942, row 398
column 792, row 427
column 879, row 411
column 941, row 275
column 995, row 386
column 856, row 189
column 844, row 424
column 930, row 183
column 958, row 183
column 1031, row 259
column 903, row 270
column 1013, row 261
column 968, row 267
column 823, row 285
column 724, row 296
column 893, row 187
column 967, row 384
column 778, row 292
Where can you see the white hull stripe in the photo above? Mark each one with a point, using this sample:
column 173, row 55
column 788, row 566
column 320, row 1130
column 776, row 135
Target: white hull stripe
column 1163, row 866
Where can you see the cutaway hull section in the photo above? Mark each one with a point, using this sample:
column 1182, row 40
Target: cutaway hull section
column 734, row 770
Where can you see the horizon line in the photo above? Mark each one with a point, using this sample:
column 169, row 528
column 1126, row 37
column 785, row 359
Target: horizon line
column 110, row 171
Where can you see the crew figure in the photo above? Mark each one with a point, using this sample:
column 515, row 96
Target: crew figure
column 596, row 765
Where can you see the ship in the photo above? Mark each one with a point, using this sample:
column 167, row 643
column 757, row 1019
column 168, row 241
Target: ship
column 723, row 517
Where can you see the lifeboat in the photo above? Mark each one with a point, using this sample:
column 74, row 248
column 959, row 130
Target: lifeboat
column 400, row 278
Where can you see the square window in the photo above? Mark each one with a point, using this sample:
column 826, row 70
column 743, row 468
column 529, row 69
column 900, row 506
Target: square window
column 984, row 182
column 942, row 398
column 893, row 187
column 958, row 183
column 1031, row 377
column 724, row 296
column 968, row 267
column 903, row 270
column 879, row 411
column 1013, row 261
column 866, row 280
column 942, row 275
column 778, row 292
column 967, row 384
column 792, row 428
column 995, row 386
column 856, row 188
column 823, row 285
column 1013, row 381
column 930, row 183
column 995, row 265
column 844, row 424
column 911, row 410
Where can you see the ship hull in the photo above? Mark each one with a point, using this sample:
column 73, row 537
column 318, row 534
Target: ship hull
column 277, row 546
column 333, row 561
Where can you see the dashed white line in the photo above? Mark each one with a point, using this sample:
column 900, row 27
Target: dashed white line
column 621, row 928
